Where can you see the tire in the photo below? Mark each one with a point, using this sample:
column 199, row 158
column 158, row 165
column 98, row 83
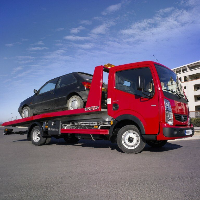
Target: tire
column 36, row 136
column 156, row 143
column 26, row 112
column 129, row 139
column 74, row 102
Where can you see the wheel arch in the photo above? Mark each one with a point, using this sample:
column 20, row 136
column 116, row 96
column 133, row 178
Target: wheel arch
column 27, row 105
column 23, row 106
column 124, row 120
column 72, row 94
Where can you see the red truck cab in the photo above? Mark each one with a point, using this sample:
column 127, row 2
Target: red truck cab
column 150, row 95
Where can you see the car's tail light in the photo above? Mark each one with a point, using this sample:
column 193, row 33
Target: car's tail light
column 87, row 85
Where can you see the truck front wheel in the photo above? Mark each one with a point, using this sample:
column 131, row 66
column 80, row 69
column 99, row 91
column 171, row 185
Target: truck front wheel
column 129, row 139
column 36, row 136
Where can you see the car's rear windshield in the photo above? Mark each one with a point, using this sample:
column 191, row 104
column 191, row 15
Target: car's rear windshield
column 85, row 76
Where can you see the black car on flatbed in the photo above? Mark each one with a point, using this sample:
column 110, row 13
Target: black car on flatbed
column 65, row 92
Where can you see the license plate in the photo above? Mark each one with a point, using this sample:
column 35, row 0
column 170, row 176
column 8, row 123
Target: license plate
column 188, row 132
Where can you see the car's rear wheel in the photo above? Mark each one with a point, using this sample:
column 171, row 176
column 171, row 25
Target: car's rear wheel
column 75, row 102
column 26, row 112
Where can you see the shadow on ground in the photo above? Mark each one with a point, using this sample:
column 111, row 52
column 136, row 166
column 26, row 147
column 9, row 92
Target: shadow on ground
column 107, row 144
column 167, row 147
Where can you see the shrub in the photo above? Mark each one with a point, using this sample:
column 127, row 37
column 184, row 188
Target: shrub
column 195, row 122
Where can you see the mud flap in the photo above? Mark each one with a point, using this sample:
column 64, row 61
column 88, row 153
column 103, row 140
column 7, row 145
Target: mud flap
column 54, row 127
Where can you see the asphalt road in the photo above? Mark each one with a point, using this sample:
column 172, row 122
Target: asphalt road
column 97, row 170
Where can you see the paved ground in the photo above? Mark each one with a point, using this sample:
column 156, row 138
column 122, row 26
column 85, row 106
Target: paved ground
column 97, row 170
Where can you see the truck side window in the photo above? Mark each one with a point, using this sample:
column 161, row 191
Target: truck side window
column 127, row 81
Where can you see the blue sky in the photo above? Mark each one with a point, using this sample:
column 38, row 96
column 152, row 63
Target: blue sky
column 43, row 39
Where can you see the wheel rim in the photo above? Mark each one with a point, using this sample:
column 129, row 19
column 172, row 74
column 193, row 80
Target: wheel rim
column 24, row 113
column 36, row 135
column 73, row 104
column 131, row 139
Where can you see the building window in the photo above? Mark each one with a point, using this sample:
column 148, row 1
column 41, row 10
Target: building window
column 196, row 87
column 197, row 98
column 197, row 108
column 185, row 78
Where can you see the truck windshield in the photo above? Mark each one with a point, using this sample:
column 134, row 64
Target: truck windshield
column 169, row 81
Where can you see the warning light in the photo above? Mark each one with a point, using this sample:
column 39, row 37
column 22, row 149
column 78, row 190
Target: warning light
column 109, row 65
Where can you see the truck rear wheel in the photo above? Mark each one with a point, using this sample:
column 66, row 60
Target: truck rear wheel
column 156, row 143
column 129, row 139
column 36, row 136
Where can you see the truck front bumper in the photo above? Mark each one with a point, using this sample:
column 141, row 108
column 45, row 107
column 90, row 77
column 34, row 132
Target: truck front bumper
column 173, row 132
column 178, row 132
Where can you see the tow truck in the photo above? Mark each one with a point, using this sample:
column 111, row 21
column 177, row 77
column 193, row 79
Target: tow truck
column 144, row 104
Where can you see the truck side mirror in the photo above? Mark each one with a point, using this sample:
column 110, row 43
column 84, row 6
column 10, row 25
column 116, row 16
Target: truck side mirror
column 35, row 91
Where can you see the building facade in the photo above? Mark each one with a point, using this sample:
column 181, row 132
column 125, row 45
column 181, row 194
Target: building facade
column 189, row 75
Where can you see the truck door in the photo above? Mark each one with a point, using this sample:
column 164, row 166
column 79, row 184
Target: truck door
column 133, row 91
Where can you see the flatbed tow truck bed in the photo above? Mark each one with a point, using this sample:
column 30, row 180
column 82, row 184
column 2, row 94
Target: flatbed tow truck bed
column 92, row 113
column 78, row 114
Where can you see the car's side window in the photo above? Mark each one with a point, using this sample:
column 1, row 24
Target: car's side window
column 128, row 81
column 66, row 80
column 49, row 86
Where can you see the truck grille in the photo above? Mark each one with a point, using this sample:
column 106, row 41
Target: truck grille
column 181, row 118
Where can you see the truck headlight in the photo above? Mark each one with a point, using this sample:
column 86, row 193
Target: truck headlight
column 168, row 112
